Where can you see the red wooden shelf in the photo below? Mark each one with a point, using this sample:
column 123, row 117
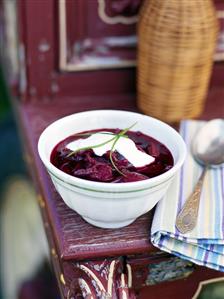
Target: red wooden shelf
column 75, row 238
column 71, row 238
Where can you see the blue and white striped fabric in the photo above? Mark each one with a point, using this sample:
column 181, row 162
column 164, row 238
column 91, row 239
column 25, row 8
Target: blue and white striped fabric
column 204, row 245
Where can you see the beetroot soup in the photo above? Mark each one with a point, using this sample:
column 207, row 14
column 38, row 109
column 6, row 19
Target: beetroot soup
column 112, row 155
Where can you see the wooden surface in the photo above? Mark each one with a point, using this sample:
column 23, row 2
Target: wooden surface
column 76, row 239
column 71, row 238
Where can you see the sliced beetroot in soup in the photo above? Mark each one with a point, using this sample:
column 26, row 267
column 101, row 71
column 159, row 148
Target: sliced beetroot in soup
column 87, row 165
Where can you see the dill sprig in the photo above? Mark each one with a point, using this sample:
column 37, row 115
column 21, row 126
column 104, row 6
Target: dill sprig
column 90, row 147
column 121, row 134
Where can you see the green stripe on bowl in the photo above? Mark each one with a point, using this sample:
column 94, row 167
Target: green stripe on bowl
column 101, row 191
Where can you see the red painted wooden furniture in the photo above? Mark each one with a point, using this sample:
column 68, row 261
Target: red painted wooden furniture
column 75, row 56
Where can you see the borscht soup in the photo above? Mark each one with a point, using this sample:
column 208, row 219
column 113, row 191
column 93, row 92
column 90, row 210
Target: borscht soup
column 112, row 156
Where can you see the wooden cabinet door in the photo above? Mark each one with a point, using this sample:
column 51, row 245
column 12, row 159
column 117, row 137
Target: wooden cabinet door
column 72, row 48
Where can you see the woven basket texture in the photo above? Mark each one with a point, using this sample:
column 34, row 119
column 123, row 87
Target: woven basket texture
column 177, row 39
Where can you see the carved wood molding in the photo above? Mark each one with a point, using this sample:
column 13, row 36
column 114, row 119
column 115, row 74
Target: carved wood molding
column 219, row 56
column 101, row 280
column 205, row 282
column 65, row 65
column 116, row 19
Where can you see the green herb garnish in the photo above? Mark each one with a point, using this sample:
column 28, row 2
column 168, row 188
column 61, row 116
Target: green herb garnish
column 114, row 139
column 121, row 134
column 105, row 133
column 90, row 147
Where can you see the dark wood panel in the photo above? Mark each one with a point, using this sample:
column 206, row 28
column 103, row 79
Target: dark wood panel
column 184, row 288
column 96, row 32
column 38, row 24
column 39, row 52
column 39, row 45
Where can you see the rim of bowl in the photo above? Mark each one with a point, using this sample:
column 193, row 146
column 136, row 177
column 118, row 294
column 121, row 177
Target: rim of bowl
column 86, row 184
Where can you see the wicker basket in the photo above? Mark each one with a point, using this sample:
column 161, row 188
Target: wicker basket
column 177, row 40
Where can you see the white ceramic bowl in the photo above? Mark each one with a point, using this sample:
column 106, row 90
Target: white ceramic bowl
column 110, row 205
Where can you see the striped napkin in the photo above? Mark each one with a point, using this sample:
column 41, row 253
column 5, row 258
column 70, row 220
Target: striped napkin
column 204, row 245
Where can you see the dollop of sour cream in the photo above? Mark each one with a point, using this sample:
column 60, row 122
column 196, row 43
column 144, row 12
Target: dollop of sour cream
column 124, row 146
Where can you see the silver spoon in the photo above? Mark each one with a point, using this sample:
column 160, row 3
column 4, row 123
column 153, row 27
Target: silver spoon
column 208, row 150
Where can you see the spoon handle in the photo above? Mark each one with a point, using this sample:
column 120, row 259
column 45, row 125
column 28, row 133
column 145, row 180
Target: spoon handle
column 187, row 217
